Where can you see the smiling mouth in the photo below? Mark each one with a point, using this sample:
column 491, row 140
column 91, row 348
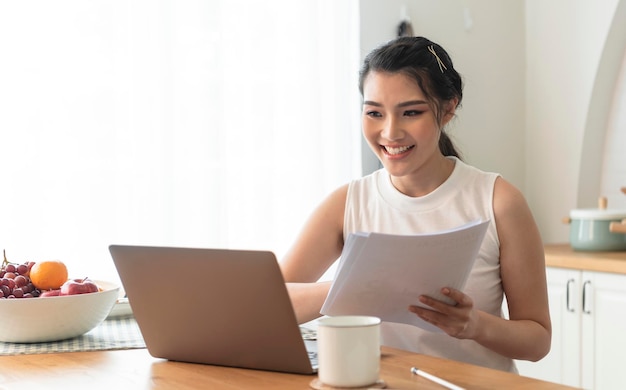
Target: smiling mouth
column 397, row 150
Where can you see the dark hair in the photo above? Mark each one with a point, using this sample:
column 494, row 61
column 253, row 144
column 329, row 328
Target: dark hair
column 429, row 65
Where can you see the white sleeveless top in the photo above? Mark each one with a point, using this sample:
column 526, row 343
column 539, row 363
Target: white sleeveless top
column 373, row 204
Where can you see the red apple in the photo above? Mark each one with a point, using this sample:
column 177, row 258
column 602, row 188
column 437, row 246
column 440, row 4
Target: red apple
column 78, row 286
column 50, row 293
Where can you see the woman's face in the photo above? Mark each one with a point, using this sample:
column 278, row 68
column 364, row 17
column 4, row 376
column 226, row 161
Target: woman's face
column 399, row 125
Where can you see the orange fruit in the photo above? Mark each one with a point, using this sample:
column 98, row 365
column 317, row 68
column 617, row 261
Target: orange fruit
column 48, row 274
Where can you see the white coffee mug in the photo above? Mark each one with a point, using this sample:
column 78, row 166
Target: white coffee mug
column 348, row 350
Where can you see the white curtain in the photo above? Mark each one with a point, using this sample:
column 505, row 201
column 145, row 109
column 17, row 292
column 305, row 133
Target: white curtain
column 182, row 123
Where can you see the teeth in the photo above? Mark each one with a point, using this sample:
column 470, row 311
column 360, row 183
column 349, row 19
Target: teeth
column 397, row 150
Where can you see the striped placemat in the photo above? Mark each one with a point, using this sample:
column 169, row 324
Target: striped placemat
column 113, row 333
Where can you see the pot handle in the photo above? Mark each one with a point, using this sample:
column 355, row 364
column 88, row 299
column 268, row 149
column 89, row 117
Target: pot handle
column 618, row 227
column 623, row 190
column 566, row 220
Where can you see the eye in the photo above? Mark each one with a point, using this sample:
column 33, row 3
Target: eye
column 373, row 114
column 413, row 112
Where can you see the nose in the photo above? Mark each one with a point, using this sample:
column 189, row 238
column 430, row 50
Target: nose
column 392, row 130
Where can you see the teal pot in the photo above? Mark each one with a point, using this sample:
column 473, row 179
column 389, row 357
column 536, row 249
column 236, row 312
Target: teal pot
column 598, row 230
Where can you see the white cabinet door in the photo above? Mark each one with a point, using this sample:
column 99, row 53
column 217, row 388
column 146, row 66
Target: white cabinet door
column 604, row 331
column 562, row 364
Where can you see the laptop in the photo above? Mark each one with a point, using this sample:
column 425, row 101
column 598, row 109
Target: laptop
column 214, row 306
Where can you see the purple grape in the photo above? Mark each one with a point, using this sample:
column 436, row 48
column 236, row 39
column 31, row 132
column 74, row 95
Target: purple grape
column 18, row 292
column 21, row 281
column 22, row 269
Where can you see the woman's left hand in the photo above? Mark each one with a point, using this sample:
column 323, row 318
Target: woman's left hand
column 457, row 320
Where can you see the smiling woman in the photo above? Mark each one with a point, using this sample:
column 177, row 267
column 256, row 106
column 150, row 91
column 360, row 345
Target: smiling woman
column 171, row 123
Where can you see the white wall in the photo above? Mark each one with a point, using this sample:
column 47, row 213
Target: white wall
column 530, row 69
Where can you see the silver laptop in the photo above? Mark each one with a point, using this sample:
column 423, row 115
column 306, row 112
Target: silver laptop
column 214, row 306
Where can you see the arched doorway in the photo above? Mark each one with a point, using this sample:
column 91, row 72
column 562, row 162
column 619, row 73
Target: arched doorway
column 607, row 95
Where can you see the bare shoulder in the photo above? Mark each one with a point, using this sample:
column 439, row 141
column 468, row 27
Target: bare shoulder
column 507, row 196
column 337, row 198
column 517, row 230
column 320, row 241
column 328, row 217
column 510, row 206
column 331, row 210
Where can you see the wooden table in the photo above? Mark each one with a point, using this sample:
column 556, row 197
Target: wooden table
column 136, row 369
column 563, row 256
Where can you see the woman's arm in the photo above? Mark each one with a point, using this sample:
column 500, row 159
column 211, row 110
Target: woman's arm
column 307, row 299
column 317, row 247
column 527, row 335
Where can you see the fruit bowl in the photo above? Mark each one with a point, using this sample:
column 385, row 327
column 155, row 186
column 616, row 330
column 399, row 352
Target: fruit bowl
column 40, row 319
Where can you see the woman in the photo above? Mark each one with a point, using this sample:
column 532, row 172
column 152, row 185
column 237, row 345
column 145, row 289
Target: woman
column 410, row 92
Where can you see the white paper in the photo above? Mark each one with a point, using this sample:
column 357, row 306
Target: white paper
column 383, row 274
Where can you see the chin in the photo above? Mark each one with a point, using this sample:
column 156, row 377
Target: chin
column 396, row 171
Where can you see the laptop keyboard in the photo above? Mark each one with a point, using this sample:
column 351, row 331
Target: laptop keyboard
column 310, row 341
column 313, row 358
column 308, row 334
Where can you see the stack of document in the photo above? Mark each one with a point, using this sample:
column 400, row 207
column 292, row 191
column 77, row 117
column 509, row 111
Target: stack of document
column 383, row 274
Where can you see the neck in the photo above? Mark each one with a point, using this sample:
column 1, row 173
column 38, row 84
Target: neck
column 425, row 180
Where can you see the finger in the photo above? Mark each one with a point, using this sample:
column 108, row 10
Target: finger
column 428, row 315
column 436, row 304
column 457, row 296
column 451, row 325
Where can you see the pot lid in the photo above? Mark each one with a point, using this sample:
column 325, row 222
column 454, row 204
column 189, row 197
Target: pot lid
column 604, row 214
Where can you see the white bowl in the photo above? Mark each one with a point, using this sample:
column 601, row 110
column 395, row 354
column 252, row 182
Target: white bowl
column 121, row 309
column 31, row 320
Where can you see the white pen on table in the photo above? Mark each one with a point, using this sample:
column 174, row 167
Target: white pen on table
column 435, row 379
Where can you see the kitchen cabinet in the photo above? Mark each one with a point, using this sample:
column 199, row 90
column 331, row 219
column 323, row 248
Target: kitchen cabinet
column 588, row 311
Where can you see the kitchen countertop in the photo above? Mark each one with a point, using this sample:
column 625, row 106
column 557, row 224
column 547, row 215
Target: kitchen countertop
column 563, row 256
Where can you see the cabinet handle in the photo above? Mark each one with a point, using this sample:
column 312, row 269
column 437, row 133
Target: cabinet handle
column 585, row 310
column 568, row 294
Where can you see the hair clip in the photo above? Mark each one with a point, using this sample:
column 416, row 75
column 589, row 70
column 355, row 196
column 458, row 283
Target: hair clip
column 442, row 66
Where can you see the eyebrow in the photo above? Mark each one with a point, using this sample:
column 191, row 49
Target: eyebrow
column 403, row 104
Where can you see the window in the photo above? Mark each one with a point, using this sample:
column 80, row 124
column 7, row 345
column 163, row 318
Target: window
column 182, row 123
